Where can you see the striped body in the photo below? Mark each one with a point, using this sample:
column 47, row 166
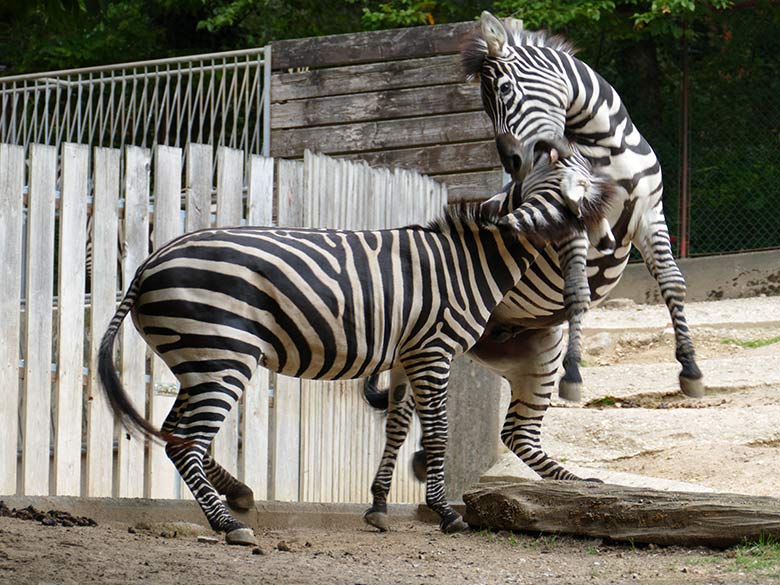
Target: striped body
column 318, row 304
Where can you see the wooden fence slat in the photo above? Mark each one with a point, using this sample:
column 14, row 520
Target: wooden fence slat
column 70, row 326
column 362, row 78
column 198, row 186
column 394, row 134
column 36, row 416
column 383, row 45
column 163, row 477
column 377, row 105
column 230, row 184
column 135, row 249
column 11, row 196
column 253, row 462
column 100, row 420
column 286, row 456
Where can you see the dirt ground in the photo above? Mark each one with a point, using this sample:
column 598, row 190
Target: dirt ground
column 411, row 554
column 727, row 441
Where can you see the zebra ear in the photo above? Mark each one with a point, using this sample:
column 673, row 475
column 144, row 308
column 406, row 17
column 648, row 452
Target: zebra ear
column 494, row 34
column 574, row 188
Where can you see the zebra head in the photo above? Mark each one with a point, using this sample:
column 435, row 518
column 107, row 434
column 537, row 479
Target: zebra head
column 523, row 84
column 555, row 182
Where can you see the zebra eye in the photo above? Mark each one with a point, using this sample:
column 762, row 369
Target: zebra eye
column 505, row 88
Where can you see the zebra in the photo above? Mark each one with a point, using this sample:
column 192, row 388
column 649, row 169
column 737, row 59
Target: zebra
column 556, row 179
column 318, row 304
column 532, row 85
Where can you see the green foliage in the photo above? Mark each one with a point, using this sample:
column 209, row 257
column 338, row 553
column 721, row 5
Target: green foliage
column 762, row 555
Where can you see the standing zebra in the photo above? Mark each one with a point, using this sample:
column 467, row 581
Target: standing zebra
column 554, row 180
column 316, row 304
column 531, row 86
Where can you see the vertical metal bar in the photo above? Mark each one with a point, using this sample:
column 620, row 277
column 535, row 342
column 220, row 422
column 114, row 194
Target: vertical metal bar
column 684, row 205
column 266, row 106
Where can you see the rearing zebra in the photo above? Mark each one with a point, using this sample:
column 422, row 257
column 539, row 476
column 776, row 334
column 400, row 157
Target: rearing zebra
column 532, row 85
column 317, row 304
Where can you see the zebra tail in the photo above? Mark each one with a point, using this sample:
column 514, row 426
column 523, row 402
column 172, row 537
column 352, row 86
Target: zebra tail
column 378, row 398
column 118, row 399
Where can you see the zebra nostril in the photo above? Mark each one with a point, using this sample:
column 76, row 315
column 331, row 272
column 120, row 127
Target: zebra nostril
column 517, row 162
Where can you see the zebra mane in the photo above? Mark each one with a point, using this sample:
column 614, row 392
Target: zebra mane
column 489, row 216
column 474, row 49
column 465, row 212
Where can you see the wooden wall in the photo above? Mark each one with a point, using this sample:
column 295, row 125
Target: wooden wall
column 394, row 98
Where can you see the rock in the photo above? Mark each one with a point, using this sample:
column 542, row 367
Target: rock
column 618, row 304
column 208, row 539
column 283, row 546
column 598, row 343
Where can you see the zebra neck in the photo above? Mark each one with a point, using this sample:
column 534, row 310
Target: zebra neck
column 595, row 116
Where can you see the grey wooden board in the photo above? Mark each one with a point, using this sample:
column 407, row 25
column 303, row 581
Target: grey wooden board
column 437, row 159
column 622, row 513
column 393, row 134
column 11, row 219
column 472, row 186
column 377, row 105
column 383, row 45
column 352, row 79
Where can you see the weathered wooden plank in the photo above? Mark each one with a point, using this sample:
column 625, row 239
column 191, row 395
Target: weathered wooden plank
column 230, row 182
column 70, row 325
column 377, row 105
column 253, row 461
column 436, row 160
column 260, row 192
column 386, row 45
column 286, row 456
column 472, row 186
column 100, row 420
column 197, row 200
column 36, row 414
column 393, row 134
column 162, row 475
column 352, row 79
column 135, row 248
column 11, row 197
column 623, row 513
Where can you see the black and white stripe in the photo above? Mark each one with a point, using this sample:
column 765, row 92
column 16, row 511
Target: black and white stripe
column 318, row 304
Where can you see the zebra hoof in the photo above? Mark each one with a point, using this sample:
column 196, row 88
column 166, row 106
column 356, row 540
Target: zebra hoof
column 453, row 526
column 419, row 465
column 241, row 500
column 594, row 480
column 692, row 387
column 570, row 391
column 378, row 520
column 241, row 536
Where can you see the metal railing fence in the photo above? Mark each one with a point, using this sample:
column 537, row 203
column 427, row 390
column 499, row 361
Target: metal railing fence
column 220, row 99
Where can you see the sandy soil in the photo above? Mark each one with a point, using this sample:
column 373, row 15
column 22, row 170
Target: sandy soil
column 728, row 441
column 412, row 554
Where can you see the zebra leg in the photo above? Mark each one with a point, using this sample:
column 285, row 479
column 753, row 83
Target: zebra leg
column 399, row 418
column 190, row 453
column 530, row 362
column 576, row 299
column 238, row 495
column 429, row 387
column 653, row 242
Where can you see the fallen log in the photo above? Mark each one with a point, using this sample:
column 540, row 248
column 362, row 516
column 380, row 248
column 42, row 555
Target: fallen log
column 619, row 513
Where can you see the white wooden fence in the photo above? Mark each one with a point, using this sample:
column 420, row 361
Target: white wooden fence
column 289, row 440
